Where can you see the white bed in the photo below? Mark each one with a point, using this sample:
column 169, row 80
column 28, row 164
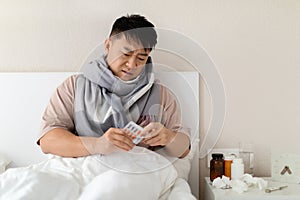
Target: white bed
column 24, row 97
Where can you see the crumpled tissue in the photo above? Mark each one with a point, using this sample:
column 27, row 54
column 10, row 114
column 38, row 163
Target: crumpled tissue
column 240, row 185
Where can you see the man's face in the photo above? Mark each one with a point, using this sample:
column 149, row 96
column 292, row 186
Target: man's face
column 126, row 59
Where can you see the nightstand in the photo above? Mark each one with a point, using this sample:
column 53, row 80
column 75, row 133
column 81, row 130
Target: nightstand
column 292, row 192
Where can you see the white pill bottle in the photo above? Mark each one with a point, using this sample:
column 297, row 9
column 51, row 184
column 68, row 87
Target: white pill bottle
column 237, row 168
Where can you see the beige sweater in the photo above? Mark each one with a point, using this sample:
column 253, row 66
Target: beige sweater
column 60, row 111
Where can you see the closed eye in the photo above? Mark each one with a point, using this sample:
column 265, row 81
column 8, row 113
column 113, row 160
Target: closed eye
column 141, row 59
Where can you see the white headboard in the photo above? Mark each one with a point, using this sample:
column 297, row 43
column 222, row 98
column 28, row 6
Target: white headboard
column 24, row 97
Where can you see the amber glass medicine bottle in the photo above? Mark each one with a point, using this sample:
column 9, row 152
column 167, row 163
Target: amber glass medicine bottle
column 216, row 166
column 227, row 165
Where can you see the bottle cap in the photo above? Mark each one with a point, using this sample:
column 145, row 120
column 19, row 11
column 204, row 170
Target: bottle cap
column 238, row 160
column 229, row 157
column 217, row 155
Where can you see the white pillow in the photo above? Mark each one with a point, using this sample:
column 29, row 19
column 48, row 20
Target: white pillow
column 114, row 185
column 3, row 163
column 183, row 165
column 141, row 174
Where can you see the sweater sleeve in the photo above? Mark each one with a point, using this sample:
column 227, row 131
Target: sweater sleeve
column 171, row 113
column 171, row 118
column 59, row 112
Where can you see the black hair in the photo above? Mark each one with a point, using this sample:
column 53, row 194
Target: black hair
column 135, row 27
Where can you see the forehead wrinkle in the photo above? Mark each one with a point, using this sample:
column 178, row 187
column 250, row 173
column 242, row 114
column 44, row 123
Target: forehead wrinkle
column 130, row 44
column 128, row 49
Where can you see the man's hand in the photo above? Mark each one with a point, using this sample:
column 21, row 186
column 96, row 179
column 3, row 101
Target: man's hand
column 119, row 138
column 157, row 135
column 61, row 142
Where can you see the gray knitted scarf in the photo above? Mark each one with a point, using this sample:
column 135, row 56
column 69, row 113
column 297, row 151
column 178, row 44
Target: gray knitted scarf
column 102, row 100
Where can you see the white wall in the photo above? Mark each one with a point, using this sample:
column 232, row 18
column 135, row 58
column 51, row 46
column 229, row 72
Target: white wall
column 254, row 43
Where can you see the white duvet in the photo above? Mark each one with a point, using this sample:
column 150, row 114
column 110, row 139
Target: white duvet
column 138, row 174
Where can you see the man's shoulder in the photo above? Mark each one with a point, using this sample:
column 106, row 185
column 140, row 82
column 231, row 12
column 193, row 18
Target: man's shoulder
column 163, row 88
column 165, row 92
column 69, row 82
column 73, row 78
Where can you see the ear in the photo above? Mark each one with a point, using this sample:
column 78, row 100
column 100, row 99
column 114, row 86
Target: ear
column 107, row 44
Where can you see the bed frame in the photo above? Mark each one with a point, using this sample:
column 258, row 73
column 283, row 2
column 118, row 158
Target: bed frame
column 24, row 97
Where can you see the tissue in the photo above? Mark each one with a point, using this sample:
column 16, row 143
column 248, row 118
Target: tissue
column 240, row 185
column 254, row 181
column 218, row 182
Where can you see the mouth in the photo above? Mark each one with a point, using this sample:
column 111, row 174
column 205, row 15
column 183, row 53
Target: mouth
column 127, row 73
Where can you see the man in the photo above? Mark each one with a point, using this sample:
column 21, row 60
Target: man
column 87, row 113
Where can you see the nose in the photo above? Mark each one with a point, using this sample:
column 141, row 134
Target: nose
column 131, row 62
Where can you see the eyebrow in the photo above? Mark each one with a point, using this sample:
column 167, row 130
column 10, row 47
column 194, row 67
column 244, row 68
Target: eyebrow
column 129, row 50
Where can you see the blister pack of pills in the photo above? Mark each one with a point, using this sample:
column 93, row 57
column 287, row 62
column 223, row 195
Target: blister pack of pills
column 134, row 132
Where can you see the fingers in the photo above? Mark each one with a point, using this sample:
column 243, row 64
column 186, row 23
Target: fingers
column 119, row 138
column 144, row 123
column 156, row 134
column 122, row 145
column 152, row 129
column 153, row 141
